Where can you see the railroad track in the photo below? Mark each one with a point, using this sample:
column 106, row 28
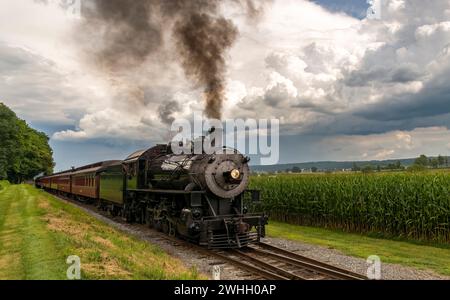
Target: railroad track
column 261, row 261
column 267, row 262
column 292, row 266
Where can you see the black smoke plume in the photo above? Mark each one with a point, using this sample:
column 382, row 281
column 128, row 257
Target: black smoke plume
column 133, row 30
column 202, row 42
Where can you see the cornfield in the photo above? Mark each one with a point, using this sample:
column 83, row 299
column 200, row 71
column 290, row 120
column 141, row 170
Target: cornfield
column 407, row 205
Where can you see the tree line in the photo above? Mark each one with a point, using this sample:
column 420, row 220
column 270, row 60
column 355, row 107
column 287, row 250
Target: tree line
column 421, row 163
column 433, row 162
column 397, row 166
column 24, row 152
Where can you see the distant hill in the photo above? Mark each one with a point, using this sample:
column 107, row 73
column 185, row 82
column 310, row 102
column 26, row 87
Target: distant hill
column 331, row 165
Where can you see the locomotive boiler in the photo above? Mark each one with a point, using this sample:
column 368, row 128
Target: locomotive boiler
column 199, row 197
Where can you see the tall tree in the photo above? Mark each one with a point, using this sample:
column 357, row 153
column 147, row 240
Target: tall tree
column 355, row 167
column 434, row 162
column 422, row 161
column 24, row 152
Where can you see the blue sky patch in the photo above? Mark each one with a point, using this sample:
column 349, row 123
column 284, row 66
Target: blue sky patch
column 354, row 8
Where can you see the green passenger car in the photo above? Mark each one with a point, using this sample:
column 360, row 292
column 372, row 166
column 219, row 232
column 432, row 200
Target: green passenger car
column 112, row 183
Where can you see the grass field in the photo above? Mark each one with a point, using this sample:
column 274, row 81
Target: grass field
column 39, row 232
column 403, row 204
column 425, row 256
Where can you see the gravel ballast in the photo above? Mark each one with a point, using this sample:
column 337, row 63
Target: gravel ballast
column 354, row 264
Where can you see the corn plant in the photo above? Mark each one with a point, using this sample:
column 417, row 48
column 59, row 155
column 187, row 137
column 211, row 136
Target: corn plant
column 408, row 205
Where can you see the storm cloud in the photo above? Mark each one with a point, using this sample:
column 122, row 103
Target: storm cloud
column 332, row 79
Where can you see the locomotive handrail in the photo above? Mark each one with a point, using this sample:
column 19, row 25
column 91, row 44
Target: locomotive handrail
column 163, row 191
column 247, row 216
column 210, row 206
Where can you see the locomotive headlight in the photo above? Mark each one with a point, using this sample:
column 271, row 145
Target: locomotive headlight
column 235, row 174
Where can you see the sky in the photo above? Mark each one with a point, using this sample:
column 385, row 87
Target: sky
column 354, row 8
column 344, row 87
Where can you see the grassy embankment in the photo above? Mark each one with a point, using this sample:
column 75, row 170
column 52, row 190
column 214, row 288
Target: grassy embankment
column 421, row 255
column 38, row 233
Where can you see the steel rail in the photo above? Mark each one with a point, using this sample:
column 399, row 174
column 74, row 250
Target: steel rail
column 344, row 274
column 328, row 272
column 266, row 274
column 264, row 265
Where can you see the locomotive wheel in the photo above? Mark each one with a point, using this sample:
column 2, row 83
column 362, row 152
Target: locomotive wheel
column 165, row 226
column 141, row 216
column 113, row 211
column 168, row 228
column 172, row 231
column 129, row 216
column 149, row 219
column 157, row 225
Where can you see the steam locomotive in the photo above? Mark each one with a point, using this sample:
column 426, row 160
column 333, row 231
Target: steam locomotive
column 202, row 198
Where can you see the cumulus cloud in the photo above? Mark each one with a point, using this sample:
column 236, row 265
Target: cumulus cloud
column 46, row 80
column 112, row 124
column 390, row 145
column 38, row 90
column 322, row 73
column 393, row 69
